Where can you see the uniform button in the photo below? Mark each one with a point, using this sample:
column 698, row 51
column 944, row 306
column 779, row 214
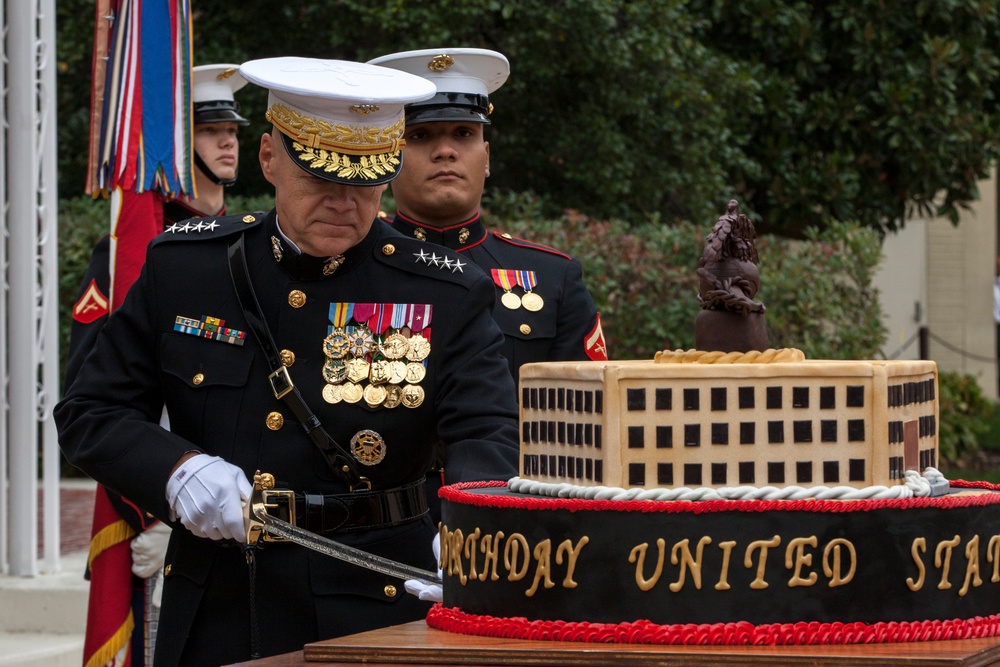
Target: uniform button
column 390, row 591
column 525, row 329
column 506, row 235
column 166, row 571
column 287, row 358
column 274, row 420
column 296, row 298
column 248, row 218
column 198, row 379
column 388, row 249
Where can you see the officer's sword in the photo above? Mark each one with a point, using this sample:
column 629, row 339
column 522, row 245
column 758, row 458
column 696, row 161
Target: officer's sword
column 260, row 523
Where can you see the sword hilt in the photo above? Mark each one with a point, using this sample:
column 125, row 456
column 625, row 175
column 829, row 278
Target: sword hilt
column 256, row 506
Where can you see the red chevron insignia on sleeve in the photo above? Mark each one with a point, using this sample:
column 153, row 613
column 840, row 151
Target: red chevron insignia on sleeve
column 91, row 306
column 594, row 344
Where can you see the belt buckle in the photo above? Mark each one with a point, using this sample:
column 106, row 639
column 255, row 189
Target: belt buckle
column 279, row 503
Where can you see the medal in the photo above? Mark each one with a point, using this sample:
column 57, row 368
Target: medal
column 413, row 395
column 351, row 392
column 505, row 279
column 415, row 372
column 393, row 396
column 357, row 370
column 381, row 372
column 368, row 447
column 361, row 341
column 394, row 346
column 511, row 300
column 418, row 349
column 374, row 395
column 398, row 372
column 335, row 345
column 532, row 302
column 334, row 371
column 332, row 393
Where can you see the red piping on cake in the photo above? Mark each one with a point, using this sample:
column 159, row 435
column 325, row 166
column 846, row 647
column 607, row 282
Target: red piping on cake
column 459, row 493
column 716, row 634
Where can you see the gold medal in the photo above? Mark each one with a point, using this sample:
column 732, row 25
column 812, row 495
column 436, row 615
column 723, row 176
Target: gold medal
column 368, row 447
column 398, row 372
column 413, row 395
column 381, row 371
column 336, row 345
column 351, row 392
column 374, row 395
column 418, row 349
column 393, row 395
column 332, row 393
column 532, row 302
column 334, row 371
column 415, row 372
column 357, row 369
column 394, row 346
column 361, row 340
column 511, row 300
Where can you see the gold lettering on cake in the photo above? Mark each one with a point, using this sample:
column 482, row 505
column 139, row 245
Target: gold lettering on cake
column 993, row 556
column 763, row 545
column 727, row 551
column 638, row 556
column 834, row 571
column 543, row 567
column 919, row 544
column 515, row 545
column 687, row 561
column 572, row 554
column 470, row 552
column 490, row 546
column 796, row 559
column 972, row 568
column 451, row 553
column 944, row 563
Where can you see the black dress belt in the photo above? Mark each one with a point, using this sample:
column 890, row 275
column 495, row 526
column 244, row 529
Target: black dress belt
column 360, row 510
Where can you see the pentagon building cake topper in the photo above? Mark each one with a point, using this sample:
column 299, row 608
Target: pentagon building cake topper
column 730, row 320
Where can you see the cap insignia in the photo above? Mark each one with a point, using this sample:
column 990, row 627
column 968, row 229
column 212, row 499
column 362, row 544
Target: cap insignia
column 352, row 139
column 332, row 264
column 364, row 109
column 226, row 73
column 440, row 63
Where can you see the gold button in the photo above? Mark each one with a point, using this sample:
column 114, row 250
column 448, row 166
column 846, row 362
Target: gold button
column 525, row 329
column 274, row 420
column 506, row 235
column 388, row 249
column 390, row 591
column 166, row 571
column 198, row 379
column 248, row 218
column 287, row 358
column 296, row 298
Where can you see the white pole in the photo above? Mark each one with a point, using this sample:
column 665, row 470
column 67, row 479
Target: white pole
column 22, row 316
column 4, row 441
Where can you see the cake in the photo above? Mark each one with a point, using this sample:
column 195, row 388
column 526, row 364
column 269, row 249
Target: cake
column 724, row 497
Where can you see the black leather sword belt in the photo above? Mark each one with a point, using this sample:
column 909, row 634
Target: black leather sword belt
column 360, row 510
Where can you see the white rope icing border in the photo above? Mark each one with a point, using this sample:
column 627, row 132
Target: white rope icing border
column 915, row 484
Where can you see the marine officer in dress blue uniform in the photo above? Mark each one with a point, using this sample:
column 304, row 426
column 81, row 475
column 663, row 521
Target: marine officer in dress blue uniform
column 311, row 342
column 216, row 119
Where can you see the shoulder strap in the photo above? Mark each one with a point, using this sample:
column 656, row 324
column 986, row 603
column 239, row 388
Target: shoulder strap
column 281, row 382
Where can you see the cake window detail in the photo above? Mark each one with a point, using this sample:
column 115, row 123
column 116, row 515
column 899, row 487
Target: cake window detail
column 562, row 466
column 855, row 430
column 579, row 434
column 526, row 432
column 746, row 398
column 804, row 472
column 542, row 403
column 719, row 473
column 895, row 467
column 748, row 433
column 664, row 437
column 635, row 437
column 561, row 398
column 588, row 434
column 828, row 430
column 855, row 396
column 635, row 399
column 590, row 469
column 597, row 436
column 720, row 433
column 691, row 399
column 588, row 402
column 578, row 400
column 579, row 468
column 534, row 397
column 831, row 472
column 552, row 398
column 664, row 474
column 800, row 397
column 827, row 398
column 774, row 398
column 926, row 426
column 664, row 398
column 776, row 472
column 598, row 471
column 569, row 400
column 692, row 474
column 718, row 398
column 561, row 430
column 692, row 435
column 534, row 431
column 856, row 470
column 802, row 431
column 746, row 472
column 543, row 465
column 775, row 432
column 599, row 401
column 525, row 396
column 895, row 432
column 637, row 474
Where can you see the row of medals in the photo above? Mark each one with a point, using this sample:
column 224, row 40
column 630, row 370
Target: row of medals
column 530, row 301
column 393, row 379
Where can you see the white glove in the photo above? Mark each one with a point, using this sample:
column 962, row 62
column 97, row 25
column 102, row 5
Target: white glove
column 208, row 494
column 157, row 596
column 148, row 550
column 421, row 589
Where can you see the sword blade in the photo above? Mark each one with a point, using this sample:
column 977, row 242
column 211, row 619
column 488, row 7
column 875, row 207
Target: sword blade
column 278, row 528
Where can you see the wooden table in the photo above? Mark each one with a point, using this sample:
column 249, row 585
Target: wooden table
column 417, row 644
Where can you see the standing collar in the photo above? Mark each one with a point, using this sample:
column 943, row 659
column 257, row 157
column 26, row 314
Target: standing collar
column 301, row 266
column 458, row 237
